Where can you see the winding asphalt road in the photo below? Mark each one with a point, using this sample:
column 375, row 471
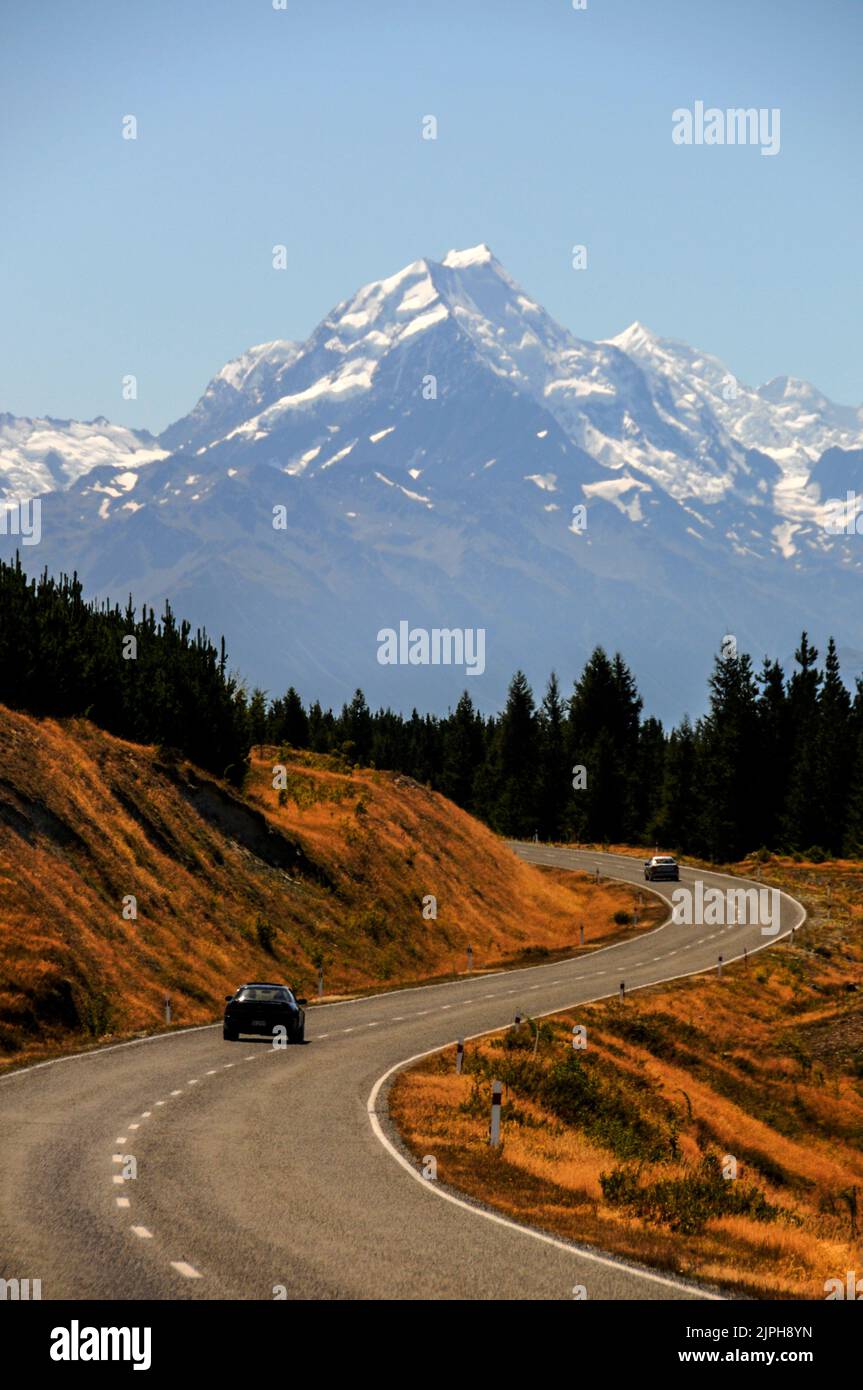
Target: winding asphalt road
column 261, row 1169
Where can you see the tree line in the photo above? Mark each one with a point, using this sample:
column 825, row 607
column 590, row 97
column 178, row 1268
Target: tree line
column 776, row 762
column 143, row 679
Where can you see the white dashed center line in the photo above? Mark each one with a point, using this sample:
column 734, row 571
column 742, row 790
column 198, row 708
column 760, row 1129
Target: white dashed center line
column 121, row 1139
column 142, row 1232
column 187, row 1271
column 145, row 1114
column 176, row 1093
column 122, row 1201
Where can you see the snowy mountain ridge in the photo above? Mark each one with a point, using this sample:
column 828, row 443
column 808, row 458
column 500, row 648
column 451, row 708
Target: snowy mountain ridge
column 441, row 451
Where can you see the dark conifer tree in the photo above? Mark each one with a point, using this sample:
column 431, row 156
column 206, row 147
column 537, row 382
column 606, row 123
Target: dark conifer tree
column 258, row 721
column 514, row 757
column 554, row 778
column 674, row 825
column 853, row 835
column 603, row 738
column 802, row 821
column 833, row 754
column 463, row 752
column 355, row 729
column 648, row 782
column 294, row 726
column 773, row 759
column 728, row 760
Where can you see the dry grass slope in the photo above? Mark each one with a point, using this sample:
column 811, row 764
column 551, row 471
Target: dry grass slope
column 623, row 1145
column 231, row 887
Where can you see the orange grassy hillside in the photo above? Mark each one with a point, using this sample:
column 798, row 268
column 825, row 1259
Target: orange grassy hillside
column 710, row 1127
column 229, row 886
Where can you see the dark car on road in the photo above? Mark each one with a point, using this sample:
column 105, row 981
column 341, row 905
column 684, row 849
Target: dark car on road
column 661, row 866
column 261, row 1009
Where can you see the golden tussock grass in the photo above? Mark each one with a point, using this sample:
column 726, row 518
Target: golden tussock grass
column 232, row 886
column 764, row 1067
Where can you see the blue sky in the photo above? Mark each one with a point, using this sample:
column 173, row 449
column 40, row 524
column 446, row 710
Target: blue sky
column 302, row 127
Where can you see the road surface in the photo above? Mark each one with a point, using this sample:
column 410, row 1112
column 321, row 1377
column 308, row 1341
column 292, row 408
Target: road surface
column 262, row 1169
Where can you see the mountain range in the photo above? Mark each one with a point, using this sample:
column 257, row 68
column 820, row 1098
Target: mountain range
column 441, row 451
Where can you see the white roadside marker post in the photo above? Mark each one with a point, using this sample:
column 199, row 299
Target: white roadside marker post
column 459, row 1056
column 167, row 1009
column 719, row 967
column 622, row 990
column 320, row 981
column 469, row 959
column 494, row 1134
column 581, row 934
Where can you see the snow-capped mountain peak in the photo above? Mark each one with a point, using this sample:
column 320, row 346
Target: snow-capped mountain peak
column 473, row 255
column 441, row 448
column 636, row 338
column 46, row 455
column 637, row 403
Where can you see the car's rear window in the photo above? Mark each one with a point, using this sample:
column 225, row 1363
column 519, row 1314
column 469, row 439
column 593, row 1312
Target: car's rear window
column 258, row 994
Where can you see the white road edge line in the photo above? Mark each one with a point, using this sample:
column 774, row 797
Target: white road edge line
column 569, row 1248
column 590, row 1255
column 525, row 1230
column 187, row 1271
column 411, row 989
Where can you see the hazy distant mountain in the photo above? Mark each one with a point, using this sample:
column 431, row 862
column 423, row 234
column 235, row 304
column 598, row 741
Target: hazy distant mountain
column 429, row 443
column 38, row 456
